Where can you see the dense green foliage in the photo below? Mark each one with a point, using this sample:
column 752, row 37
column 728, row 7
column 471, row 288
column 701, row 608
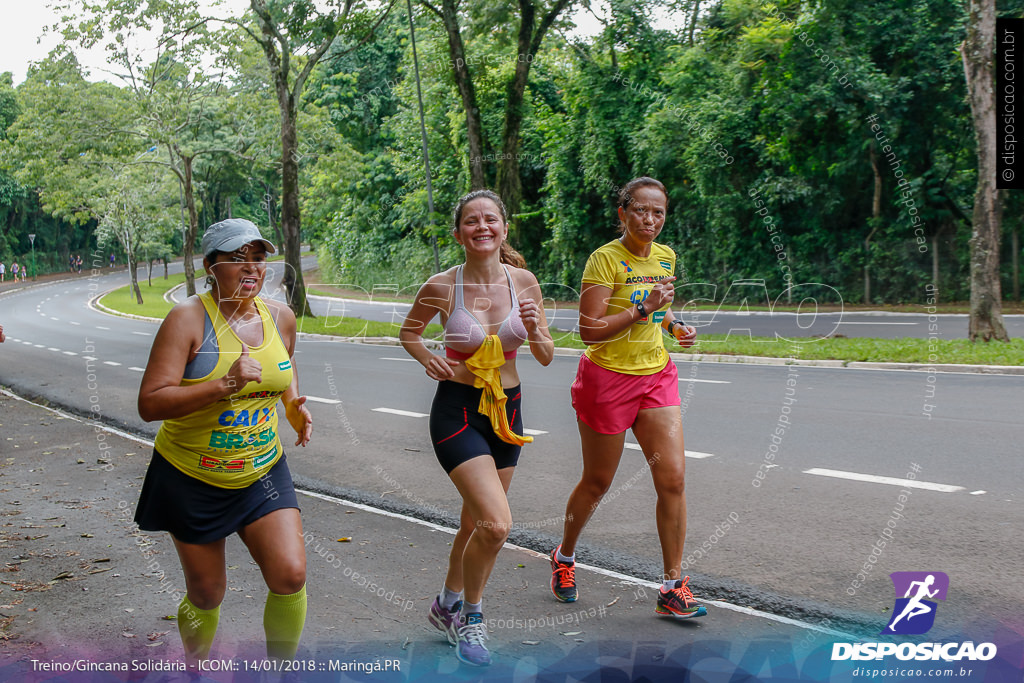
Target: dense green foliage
column 759, row 127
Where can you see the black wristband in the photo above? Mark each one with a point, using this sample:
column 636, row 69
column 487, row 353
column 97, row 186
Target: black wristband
column 674, row 323
column 640, row 307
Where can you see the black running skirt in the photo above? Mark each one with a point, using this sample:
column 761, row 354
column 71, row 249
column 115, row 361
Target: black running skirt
column 196, row 512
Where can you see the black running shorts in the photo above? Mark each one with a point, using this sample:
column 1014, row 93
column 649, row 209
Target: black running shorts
column 460, row 432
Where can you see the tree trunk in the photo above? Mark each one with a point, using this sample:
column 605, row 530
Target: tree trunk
column 165, row 267
column 977, row 51
column 876, row 220
column 693, row 20
column 193, row 227
column 509, row 183
column 1015, row 260
column 467, row 91
column 935, row 265
column 295, row 287
column 149, row 273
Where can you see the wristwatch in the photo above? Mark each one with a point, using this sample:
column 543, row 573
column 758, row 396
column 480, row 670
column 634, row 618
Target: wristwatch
column 640, row 307
column 674, row 323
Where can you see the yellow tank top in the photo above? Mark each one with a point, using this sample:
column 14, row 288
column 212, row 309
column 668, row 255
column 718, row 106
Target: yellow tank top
column 234, row 441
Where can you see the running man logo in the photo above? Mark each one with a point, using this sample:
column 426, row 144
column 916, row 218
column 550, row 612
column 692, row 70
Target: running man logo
column 625, row 264
column 913, row 614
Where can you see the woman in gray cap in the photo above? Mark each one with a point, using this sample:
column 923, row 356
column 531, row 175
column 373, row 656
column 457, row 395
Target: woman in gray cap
column 220, row 363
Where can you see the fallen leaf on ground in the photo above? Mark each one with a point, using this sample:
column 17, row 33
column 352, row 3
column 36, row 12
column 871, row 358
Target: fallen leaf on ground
column 157, row 634
column 612, row 602
column 344, row 539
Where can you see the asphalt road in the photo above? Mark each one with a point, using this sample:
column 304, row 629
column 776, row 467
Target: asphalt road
column 800, row 531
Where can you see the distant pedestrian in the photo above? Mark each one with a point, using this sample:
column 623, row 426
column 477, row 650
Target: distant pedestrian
column 15, row 269
column 71, row 263
column 78, row 262
column 3, row 271
column 111, row 260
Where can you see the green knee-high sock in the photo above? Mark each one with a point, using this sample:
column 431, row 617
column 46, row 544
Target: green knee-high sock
column 197, row 628
column 283, row 619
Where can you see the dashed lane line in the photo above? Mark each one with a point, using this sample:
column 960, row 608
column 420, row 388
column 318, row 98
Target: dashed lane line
column 317, row 399
column 876, row 479
column 395, row 411
column 697, row 455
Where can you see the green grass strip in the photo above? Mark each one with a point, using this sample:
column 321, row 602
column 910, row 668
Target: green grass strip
column 904, row 350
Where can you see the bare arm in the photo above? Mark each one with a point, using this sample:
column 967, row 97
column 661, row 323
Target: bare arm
column 531, row 310
column 595, row 323
column 430, row 300
column 295, row 411
column 684, row 334
column 161, row 396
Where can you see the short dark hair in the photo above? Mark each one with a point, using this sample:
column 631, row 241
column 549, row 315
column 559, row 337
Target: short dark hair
column 626, row 193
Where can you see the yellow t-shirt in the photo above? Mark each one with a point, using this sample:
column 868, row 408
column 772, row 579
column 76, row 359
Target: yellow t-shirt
column 640, row 348
column 234, row 441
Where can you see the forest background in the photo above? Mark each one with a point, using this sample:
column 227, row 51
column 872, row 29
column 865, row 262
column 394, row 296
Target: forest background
column 826, row 141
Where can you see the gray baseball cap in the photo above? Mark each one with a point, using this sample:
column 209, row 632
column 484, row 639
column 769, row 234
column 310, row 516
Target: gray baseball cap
column 231, row 234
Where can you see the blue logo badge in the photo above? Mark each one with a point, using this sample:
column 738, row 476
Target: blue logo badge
column 913, row 612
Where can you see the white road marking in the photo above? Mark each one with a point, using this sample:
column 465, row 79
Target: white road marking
column 317, row 399
column 978, row 493
column 393, row 411
column 143, row 334
column 533, row 432
column 26, row 343
column 39, row 346
column 50, row 348
column 110, row 362
column 100, row 327
column 89, row 357
column 137, row 369
column 69, row 353
column 876, row 479
column 410, row 360
column 74, row 323
column 689, row 454
column 843, row 322
column 705, row 381
column 52, row 318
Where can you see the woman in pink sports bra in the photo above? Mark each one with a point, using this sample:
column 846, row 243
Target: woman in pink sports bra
column 489, row 300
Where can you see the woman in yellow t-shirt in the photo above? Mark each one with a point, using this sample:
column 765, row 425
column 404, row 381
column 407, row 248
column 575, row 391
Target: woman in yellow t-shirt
column 626, row 380
column 221, row 361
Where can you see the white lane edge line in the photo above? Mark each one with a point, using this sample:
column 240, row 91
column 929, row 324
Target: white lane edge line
column 533, row 432
column 395, row 411
column 50, row 348
column 855, row 322
column 317, row 399
column 876, row 479
column 366, row 508
column 977, row 493
column 137, row 369
column 142, row 334
column 39, row 346
column 597, row 570
column 110, row 362
column 404, row 360
column 69, row 353
column 74, row 323
column 100, row 327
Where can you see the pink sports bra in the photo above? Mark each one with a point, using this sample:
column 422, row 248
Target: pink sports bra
column 463, row 333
